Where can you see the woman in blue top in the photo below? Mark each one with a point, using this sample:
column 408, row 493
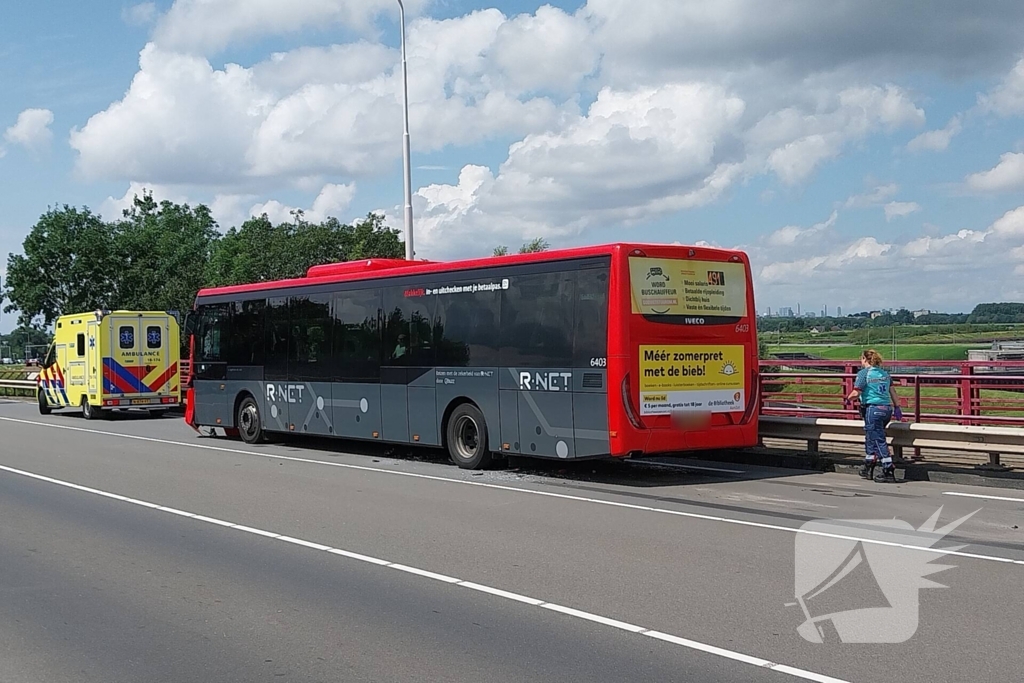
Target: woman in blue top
column 877, row 395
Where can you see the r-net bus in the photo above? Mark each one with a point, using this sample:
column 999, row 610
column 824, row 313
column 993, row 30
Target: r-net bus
column 615, row 350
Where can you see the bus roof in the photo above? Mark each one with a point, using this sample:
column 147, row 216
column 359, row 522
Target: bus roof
column 366, row 269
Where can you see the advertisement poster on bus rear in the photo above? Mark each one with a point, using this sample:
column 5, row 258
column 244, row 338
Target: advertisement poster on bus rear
column 688, row 288
column 679, row 379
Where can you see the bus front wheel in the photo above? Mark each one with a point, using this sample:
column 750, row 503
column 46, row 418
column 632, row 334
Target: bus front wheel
column 249, row 422
column 467, row 438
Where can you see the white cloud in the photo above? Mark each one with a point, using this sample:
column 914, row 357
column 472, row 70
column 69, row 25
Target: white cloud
column 803, row 140
column 1010, row 224
column 229, row 210
column 643, row 153
column 1006, row 176
column 316, row 111
column 181, row 121
column 646, row 40
column 205, row 26
column 1006, row 99
column 332, row 200
column 937, row 140
column 142, row 14
column 32, row 130
column 113, row 208
column 928, row 270
column 879, row 195
column 528, row 46
column 900, row 210
column 636, row 154
column 793, row 234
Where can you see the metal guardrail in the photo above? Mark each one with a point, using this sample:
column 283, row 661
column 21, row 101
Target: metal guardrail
column 948, row 392
column 17, row 387
column 964, row 406
column 17, row 383
column 992, row 441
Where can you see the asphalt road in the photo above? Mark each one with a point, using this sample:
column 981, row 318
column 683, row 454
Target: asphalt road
column 137, row 550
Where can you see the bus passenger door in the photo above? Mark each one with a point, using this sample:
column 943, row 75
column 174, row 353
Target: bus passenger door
column 209, row 369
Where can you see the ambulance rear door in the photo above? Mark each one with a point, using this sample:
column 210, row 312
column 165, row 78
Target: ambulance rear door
column 158, row 337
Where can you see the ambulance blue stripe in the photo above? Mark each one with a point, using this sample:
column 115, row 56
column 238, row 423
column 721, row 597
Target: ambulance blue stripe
column 130, row 379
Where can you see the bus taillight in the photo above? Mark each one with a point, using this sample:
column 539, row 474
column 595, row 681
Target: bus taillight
column 627, row 403
column 755, row 396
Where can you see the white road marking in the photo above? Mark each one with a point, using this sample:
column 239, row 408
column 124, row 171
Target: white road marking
column 545, row 494
column 978, row 495
column 568, row 611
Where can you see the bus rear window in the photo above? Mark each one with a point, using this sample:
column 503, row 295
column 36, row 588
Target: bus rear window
column 688, row 292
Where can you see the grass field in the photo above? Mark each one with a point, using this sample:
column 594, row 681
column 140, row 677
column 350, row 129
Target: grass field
column 905, row 351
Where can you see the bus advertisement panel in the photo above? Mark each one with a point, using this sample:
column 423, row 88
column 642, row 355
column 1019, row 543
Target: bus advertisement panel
column 528, row 354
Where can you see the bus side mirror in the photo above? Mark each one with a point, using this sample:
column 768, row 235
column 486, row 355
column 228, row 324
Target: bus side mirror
column 190, row 324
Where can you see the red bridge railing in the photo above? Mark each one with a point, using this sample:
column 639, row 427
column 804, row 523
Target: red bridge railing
column 960, row 392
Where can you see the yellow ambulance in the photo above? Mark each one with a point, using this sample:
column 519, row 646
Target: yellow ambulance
column 109, row 360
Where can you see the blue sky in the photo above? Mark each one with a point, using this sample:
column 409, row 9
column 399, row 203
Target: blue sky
column 865, row 155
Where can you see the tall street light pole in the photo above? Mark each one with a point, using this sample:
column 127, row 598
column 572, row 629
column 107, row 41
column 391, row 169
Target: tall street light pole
column 409, row 251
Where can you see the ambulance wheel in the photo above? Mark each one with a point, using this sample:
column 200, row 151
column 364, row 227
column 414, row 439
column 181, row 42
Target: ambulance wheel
column 249, row 422
column 89, row 411
column 467, row 438
column 44, row 407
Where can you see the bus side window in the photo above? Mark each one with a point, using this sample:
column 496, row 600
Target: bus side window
column 213, row 328
column 309, row 354
column 247, row 338
column 408, row 335
column 276, row 363
column 537, row 320
column 590, row 337
column 357, row 346
column 466, row 329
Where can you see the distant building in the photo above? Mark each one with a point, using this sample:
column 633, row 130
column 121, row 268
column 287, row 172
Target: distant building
column 923, row 311
column 1000, row 350
column 876, row 314
column 839, row 311
column 785, row 312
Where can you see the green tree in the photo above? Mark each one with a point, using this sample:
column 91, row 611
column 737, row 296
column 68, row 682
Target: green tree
column 163, row 252
column 69, row 265
column 259, row 250
column 532, row 247
column 21, row 337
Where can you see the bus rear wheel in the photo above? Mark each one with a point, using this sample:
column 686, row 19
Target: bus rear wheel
column 467, row 438
column 249, row 422
column 44, row 407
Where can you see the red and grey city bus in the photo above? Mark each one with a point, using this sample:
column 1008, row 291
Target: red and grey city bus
column 614, row 350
